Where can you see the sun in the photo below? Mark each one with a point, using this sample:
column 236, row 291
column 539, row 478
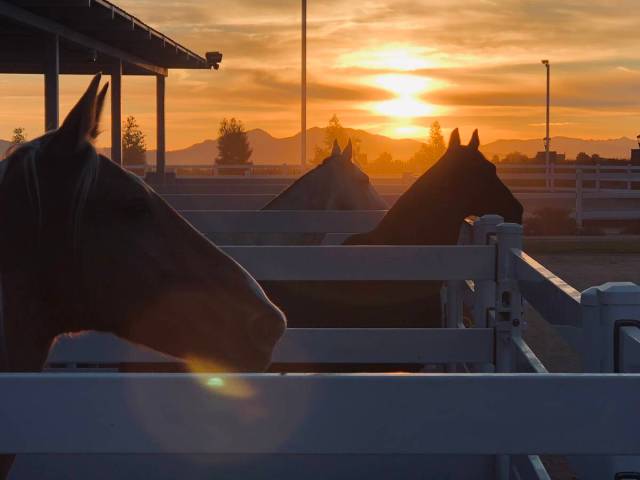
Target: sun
column 408, row 90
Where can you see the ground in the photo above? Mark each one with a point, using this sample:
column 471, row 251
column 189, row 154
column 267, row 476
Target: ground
column 582, row 264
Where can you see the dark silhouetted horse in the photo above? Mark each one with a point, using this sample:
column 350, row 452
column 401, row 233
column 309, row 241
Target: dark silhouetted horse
column 462, row 183
column 336, row 184
column 85, row 245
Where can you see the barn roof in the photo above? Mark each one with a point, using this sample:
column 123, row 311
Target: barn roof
column 92, row 34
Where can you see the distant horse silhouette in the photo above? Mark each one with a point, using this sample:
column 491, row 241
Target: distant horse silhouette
column 85, row 245
column 336, row 184
column 462, row 183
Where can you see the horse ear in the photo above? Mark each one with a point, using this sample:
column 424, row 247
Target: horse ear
column 454, row 139
column 335, row 151
column 81, row 122
column 475, row 140
column 99, row 108
column 347, row 153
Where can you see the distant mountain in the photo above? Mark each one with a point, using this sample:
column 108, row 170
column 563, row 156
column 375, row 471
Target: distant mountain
column 268, row 149
column 613, row 148
column 271, row 150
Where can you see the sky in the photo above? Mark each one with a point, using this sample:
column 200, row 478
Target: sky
column 389, row 67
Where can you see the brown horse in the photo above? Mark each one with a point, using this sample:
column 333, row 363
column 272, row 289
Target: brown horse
column 462, row 183
column 85, row 245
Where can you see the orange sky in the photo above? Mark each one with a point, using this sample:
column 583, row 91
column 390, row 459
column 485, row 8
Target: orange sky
column 389, row 67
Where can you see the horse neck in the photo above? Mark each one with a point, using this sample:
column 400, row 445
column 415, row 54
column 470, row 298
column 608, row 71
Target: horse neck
column 422, row 216
column 34, row 313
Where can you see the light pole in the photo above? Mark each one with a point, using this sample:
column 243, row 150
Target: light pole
column 547, row 139
column 303, row 87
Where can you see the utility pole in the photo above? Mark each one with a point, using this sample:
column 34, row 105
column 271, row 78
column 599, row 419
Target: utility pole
column 303, row 88
column 547, row 139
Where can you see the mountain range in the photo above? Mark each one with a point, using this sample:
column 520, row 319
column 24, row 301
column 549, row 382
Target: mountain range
column 268, row 149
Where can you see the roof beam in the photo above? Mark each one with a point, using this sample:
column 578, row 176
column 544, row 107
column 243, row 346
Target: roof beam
column 25, row 17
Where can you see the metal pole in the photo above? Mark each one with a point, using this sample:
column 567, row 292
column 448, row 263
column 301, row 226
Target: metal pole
column 116, row 113
column 160, row 118
column 547, row 139
column 52, row 83
column 303, row 88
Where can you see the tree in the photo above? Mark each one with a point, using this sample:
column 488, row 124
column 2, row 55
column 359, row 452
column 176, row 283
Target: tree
column 515, row 157
column 134, row 147
column 495, row 158
column 436, row 140
column 19, row 136
column 233, row 144
column 583, row 158
column 335, row 131
column 429, row 152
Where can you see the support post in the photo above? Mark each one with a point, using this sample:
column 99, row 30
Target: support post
column 161, row 141
column 483, row 229
column 579, row 202
column 303, row 88
column 116, row 113
column 508, row 314
column 508, row 301
column 52, row 83
column 606, row 309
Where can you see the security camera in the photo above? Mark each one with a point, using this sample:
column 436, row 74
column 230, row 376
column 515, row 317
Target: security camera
column 214, row 59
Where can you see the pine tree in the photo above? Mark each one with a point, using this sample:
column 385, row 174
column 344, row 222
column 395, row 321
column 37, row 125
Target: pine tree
column 233, row 144
column 19, row 136
column 134, row 147
column 429, row 152
column 335, row 131
column 436, row 140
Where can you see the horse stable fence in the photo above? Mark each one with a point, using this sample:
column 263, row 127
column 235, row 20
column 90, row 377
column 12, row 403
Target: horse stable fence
column 602, row 196
column 487, row 417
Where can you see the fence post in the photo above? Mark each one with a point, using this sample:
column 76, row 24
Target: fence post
column 605, row 310
column 579, row 206
column 485, row 290
column 508, row 301
column 597, row 177
column 508, row 313
column 552, row 179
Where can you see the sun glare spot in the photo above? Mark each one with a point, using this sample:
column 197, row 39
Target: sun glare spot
column 407, row 131
column 404, row 107
column 393, row 57
column 403, row 84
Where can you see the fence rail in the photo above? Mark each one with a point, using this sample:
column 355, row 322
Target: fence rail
column 512, row 416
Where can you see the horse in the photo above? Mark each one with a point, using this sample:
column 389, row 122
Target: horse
column 86, row 245
column 460, row 184
column 335, row 184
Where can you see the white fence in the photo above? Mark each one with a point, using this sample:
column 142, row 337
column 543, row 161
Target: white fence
column 573, row 185
column 351, row 425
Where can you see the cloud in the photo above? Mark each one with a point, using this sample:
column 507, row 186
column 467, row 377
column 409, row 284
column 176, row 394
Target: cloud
column 484, row 54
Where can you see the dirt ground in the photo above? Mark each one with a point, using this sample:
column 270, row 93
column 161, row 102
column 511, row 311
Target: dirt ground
column 581, row 270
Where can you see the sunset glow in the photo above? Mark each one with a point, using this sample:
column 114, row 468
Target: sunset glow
column 390, row 66
column 405, row 57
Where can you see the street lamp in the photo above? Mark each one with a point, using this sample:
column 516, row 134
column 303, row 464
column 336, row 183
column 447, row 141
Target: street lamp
column 547, row 139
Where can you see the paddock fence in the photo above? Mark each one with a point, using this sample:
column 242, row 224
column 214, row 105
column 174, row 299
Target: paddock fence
column 489, row 416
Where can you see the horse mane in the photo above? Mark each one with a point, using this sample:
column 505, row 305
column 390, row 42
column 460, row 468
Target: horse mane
column 30, row 154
